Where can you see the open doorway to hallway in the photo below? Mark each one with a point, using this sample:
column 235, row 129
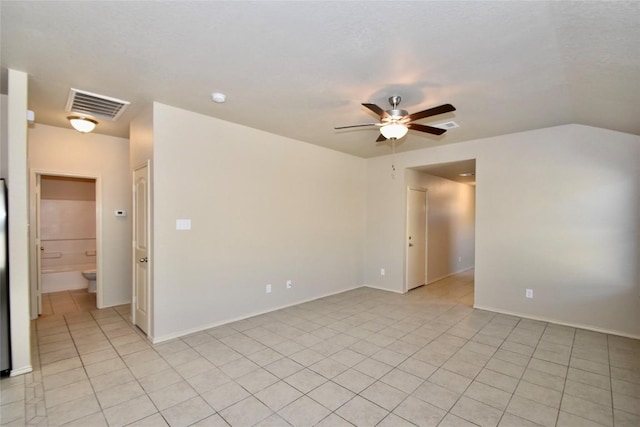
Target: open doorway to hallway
column 449, row 226
column 457, row 288
column 66, row 218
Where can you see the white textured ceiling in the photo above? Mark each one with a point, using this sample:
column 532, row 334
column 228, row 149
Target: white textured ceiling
column 300, row 68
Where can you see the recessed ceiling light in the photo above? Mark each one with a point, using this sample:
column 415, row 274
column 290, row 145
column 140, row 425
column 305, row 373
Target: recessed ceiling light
column 218, row 97
column 468, row 174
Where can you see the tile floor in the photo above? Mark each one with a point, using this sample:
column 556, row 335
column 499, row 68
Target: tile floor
column 68, row 302
column 364, row 357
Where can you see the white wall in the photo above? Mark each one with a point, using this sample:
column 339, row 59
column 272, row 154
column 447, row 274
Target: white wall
column 557, row 210
column 18, row 222
column 4, row 135
column 264, row 209
column 65, row 151
column 450, row 222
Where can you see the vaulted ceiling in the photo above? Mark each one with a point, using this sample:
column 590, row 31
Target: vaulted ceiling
column 298, row 69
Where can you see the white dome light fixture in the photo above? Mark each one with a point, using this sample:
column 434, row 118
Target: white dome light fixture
column 82, row 124
column 394, row 131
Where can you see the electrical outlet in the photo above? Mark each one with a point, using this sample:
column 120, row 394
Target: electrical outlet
column 528, row 293
column 459, row 259
column 382, row 271
column 268, row 289
column 289, row 284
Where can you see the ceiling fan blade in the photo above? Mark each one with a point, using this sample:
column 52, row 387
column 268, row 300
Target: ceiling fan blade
column 356, row 126
column 373, row 107
column 381, row 138
column 445, row 108
column 427, row 129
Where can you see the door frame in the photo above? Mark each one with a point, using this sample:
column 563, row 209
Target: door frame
column 134, row 260
column 34, row 245
column 406, row 234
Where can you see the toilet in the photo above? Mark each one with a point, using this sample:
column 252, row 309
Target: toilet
column 90, row 275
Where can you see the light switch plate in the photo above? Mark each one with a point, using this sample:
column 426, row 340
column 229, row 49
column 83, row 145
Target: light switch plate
column 183, row 224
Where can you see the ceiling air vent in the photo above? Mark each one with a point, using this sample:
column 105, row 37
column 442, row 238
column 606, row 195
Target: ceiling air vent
column 447, row 125
column 92, row 104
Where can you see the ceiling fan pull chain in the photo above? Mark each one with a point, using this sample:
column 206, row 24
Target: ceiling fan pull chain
column 393, row 159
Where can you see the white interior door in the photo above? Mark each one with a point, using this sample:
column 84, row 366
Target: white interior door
column 141, row 223
column 416, row 238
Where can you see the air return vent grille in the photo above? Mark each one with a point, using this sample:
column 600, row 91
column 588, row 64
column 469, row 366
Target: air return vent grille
column 92, row 104
column 447, row 125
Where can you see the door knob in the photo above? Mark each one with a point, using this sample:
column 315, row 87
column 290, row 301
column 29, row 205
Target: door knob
column 145, row 259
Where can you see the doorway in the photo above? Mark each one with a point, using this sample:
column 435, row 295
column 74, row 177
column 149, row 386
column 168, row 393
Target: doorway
column 449, row 225
column 65, row 237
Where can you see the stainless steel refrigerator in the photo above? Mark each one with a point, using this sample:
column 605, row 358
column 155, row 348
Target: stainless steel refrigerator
column 5, row 342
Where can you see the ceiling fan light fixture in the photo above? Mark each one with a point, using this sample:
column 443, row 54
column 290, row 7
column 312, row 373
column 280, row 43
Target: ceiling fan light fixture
column 394, row 131
column 82, row 124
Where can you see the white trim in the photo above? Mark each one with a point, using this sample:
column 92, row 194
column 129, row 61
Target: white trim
column 157, row 340
column 385, row 289
column 558, row 322
column 450, row 274
column 21, row 371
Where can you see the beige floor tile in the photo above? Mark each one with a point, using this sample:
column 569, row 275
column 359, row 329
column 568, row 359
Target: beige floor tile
column 246, row 412
column 205, row 381
column 73, row 410
column 510, row 420
column 188, row 412
column 305, row 380
column 402, row 380
column 566, row 419
column 587, row 409
column 331, row 395
column 257, row 380
column 119, row 394
column 155, row 420
column 383, row 395
column 450, row 380
column 546, row 396
column 486, row 394
column 303, row 412
column 172, row 395
column 159, row 380
column 361, row 412
column 225, row 395
column 354, row 380
column 419, row 412
column 130, row 411
column 278, row 395
column 588, row 392
column 415, row 347
column 67, row 393
column 215, row 420
column 532, row 411
column 111, row 379
column 476, row 412
column 332, row 420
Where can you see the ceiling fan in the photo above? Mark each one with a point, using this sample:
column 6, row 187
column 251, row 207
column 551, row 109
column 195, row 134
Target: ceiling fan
column 395, row 123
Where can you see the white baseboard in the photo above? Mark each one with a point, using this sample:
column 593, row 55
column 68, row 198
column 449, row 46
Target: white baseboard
column 558, row 322
column 383, row 289
column 157, row 340
column 450, row 274
column 21, row 371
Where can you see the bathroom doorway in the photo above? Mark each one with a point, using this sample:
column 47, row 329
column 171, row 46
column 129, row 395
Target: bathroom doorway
column 64, row 255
